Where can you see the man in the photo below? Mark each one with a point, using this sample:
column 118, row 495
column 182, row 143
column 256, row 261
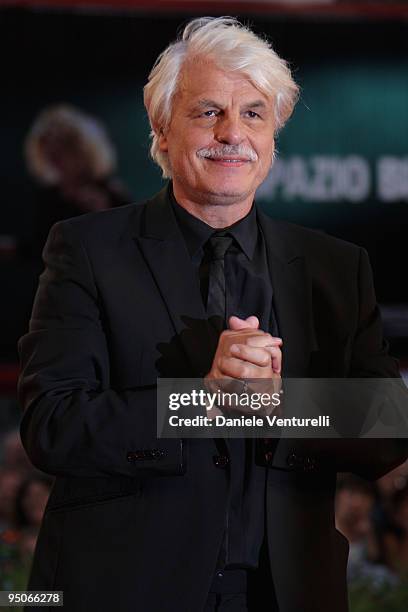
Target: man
column 195, row 282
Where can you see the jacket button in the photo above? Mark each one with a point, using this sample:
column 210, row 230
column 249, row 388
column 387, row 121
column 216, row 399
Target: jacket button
column 268, row 456
column 221, row 461
column 309, row 464
column 292, row 460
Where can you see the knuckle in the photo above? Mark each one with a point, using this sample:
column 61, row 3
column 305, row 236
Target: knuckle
column 243, row 350
column 245, row 371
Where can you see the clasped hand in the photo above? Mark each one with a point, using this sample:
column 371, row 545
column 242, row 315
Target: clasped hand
column 247, row 360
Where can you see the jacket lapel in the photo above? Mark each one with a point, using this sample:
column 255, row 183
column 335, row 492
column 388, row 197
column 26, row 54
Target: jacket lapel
column 166, row 254
column 292, row 297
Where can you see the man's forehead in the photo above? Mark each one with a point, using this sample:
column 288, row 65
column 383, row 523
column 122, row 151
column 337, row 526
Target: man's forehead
column 203, row 81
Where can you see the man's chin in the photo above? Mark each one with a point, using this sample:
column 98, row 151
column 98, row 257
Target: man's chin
column 224, row 194
column 225, row 199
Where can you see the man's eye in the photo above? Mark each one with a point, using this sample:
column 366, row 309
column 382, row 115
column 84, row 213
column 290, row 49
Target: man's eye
column 210, row 113
column 252, row 114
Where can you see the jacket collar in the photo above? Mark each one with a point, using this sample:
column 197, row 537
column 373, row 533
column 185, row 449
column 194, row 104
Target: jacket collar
column 166, row 254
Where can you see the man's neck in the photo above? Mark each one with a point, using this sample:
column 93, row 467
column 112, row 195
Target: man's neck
column 216, row 213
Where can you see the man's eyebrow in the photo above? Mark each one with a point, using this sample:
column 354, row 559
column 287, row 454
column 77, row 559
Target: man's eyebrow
column 255, row 104
column 207, row 103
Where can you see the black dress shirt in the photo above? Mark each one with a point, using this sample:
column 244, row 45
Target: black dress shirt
column 248, row 292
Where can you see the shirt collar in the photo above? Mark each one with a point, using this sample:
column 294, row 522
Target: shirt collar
column 196, row 232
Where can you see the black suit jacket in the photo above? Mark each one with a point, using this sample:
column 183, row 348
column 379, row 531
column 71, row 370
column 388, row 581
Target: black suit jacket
column 134, row 522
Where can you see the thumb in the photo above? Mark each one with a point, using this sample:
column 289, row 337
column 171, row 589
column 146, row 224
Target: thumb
column 235, row 323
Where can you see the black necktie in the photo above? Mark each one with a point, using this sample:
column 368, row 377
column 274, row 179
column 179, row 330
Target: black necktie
column 217, row 245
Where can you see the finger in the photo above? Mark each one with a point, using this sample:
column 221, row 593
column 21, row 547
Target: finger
column 263, row 340
column 235, row 323
column 258, row 356
column 276, row 356
column 262, row 357
column 237, row 368
column 253, row 322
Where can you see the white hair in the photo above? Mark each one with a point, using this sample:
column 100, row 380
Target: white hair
column 233, row 47
column 61, row 125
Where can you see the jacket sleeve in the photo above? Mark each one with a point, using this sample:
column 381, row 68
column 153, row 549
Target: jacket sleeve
column 372, row 458
column 74, row 423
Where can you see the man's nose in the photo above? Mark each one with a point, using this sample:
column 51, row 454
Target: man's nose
column 229, row 130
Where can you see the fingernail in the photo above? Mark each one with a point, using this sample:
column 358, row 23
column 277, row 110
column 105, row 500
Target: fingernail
column 235, row 348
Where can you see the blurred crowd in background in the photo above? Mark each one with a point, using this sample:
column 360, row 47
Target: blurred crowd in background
column 67, row 163
column 24, row 493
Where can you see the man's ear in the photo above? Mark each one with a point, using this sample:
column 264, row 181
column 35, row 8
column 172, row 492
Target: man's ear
column 161, row 133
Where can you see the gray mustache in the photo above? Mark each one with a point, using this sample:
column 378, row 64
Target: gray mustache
column 228, row 151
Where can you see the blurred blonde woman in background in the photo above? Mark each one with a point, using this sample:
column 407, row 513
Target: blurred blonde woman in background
column 70, row 156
